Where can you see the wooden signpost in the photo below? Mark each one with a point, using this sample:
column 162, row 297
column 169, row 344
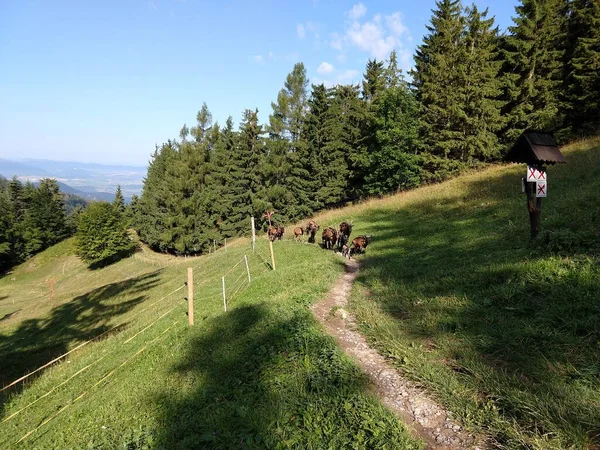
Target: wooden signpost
column 535, row 149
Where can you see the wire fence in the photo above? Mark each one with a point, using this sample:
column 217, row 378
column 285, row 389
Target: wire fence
column 228, row 286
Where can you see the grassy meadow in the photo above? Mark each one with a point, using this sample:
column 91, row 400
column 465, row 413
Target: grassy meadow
column 503, row 331
column 262, row 375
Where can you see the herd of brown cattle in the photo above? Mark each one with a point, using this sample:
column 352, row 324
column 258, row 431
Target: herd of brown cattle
column 331, row 238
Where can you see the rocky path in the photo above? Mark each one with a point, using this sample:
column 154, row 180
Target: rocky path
column 424, row 417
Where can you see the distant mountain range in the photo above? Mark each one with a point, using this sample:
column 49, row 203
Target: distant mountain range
column 88, row 180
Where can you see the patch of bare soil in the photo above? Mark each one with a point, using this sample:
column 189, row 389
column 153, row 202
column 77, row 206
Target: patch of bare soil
column 424, row 417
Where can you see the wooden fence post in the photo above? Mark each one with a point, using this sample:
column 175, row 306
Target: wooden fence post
column 215, row 245
column 225, row 244
column 190, row 285
column 253, row 233
column 247, row 268
column 272, row 254
column 224, row 298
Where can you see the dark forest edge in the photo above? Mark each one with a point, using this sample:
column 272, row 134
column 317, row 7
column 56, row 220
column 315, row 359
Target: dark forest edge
column 472, row 93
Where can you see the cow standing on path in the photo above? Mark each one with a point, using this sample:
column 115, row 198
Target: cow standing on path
column 344, row 234
column 329, row 238
column 311, row 230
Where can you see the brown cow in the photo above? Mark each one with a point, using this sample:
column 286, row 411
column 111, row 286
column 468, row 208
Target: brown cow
column 329, row 237
column 311, row 230
column 298, row 231
column 344, row 235
column 275, row 232
column 359, row 244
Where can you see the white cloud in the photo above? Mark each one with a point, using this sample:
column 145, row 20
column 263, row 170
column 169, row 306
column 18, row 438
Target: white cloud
column 395, row 25
column 336, row 41
column 325, row 68
column 258, row 58
column 377, row 36
column 303, row 29
column 357, row 11
column 345, row 77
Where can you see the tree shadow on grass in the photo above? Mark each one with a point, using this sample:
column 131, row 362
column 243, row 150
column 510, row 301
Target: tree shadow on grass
column 461, row 277
column 38, row 341
column 259, row 380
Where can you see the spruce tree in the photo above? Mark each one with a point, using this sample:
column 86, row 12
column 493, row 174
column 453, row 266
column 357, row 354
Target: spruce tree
column 393, row 164
column 341, row 164
column 438, row 78
column 583, row 67
column 119, row 201
column 317, row 138
column 286, row 169
column 533, row 68
column 481, row 90
column 7, row 256
column 246, row 181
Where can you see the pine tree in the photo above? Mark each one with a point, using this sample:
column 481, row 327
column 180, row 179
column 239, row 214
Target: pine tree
column 393, row 164
column 7, row 256
column 119, row 201
column 102, row 234
column 246, row 181
column 583, row 67
column 481, row 90
column 373, row 80
column 533, row 68
column 285, row 169
column 344, row 130
column 438, row 79
column 317, row 137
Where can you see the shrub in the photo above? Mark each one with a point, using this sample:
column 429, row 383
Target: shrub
column 102, row 235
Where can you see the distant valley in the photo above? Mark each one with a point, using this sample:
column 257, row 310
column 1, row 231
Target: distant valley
column 87, row 180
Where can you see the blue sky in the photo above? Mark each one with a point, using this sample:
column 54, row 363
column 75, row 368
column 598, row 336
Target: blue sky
column 105, row 81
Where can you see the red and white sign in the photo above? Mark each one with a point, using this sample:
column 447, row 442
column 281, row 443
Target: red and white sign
column 534, row 174
column 541, row 189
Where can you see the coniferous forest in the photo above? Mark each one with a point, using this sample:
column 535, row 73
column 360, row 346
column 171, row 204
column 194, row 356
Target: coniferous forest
column 471, row 93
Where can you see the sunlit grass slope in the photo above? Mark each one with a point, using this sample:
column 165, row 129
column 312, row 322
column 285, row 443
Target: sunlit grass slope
column 504, row 331
column 261, row 375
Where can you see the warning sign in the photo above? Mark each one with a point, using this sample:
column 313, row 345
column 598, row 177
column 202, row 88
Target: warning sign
column 541, row 189
column 534, row 174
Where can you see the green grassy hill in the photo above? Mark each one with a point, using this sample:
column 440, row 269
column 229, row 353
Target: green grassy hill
column 505, row 332
column 260, row 375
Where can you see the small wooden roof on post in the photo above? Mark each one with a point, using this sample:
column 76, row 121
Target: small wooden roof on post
column 535, row 148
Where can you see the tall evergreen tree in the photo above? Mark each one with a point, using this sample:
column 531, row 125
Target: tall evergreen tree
column 373, row 80
column 286, row 166
column 344, row 130
column 7, row 256
column 438, row 78
column 393, row 164
column 533, row 69
column 119, row 201
column 583, row 67
column 246, row 181
column 482, row 89
column 317, row 138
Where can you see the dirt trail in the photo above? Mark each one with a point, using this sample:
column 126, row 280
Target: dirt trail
column 426, row 419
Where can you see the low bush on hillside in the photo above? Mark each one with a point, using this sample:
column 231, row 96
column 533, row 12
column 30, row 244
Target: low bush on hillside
column 102, row 235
